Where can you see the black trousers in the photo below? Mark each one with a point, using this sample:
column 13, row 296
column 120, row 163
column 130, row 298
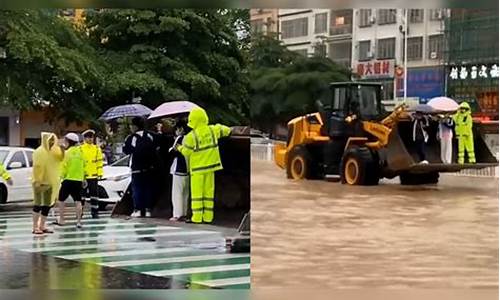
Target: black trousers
column 93, row 193
column 420, row 144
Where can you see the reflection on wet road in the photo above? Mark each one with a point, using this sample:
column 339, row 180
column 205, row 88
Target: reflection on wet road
column 114, row 253
column 316, row 233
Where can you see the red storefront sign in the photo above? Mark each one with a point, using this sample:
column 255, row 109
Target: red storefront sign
column 376, row 69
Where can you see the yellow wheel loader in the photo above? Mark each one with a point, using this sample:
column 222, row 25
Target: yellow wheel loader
column 352, row 138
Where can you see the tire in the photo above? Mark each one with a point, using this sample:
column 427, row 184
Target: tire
column 359, row 167
column 299, row 164
column 102, row 205
column 3, row 194
column 418, row 179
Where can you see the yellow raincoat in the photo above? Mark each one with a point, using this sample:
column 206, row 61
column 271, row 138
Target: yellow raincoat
column 47, row 168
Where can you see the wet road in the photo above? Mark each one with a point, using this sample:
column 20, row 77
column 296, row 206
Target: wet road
column 316, row 233
column 117, row 254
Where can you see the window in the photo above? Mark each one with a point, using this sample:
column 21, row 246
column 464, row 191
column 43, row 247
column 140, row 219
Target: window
column 320, row 50
column 415, row 48
column 294, row 28
column 340, row 52
column 365, row 16
column 18, row 157
column 436, row 46
column 257, row 26
column 341, row 22
column 364, row 50
column 416, row 15
column 29, row 155
column 339, row 99
column 386, row 48
column 302, row 52
column 386, row 16
column 388, row 90
column 320, row 23
column 436, row 14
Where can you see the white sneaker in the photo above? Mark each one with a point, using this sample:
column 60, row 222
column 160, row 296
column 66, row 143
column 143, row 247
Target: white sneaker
column 424, row 162
column 136, row 214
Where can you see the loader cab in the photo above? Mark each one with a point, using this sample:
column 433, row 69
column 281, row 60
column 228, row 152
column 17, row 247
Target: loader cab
column 348, row 99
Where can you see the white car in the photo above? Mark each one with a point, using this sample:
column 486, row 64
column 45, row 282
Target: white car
column 18, row 161
column 115, row 182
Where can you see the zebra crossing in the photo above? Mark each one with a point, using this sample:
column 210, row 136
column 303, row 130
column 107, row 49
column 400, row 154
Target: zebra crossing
column 191, row 256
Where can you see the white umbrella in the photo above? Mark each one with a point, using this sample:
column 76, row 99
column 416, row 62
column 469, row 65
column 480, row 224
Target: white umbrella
column 172, row 108
column 443, row 104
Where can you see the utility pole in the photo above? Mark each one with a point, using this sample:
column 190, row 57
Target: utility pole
column 406, row 54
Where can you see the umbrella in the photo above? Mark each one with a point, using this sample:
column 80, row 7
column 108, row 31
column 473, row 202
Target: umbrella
column 128, row 110
column 443, row 104
column 423, row 108
column 172, row 108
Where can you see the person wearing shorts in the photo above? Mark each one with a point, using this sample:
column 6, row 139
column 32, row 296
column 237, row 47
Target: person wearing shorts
column 73, row 175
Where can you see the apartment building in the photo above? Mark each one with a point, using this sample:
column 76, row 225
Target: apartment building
column 378, row 50
column 264, row 20
column 304, row 30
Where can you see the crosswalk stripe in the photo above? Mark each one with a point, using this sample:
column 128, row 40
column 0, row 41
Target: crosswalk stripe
column 123, row 253
column 112, row 243
column 29, row 217
column 50, row 240
column 183, row 271
column 223, row 282
column 154, row 261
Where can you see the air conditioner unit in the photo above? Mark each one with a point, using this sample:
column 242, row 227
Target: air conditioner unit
column 434, row 55
column 373, row 20
column 370, row 54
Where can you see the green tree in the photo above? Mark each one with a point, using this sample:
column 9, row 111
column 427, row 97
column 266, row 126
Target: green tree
column 285, row 85
column 48, row 63
column 173, row 54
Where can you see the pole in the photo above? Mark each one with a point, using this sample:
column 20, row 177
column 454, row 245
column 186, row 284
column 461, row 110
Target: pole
column 406, row 54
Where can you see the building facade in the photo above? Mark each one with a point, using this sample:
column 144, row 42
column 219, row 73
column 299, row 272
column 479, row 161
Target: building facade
column 472, row 60
column 264, row 20
column 378, row 50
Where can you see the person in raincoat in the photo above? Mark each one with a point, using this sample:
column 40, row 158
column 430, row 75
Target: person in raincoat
column 445, row 135
column 73, row 178
column 5, row 175
column 200, row 147
column 463, row 131
column 46, row 180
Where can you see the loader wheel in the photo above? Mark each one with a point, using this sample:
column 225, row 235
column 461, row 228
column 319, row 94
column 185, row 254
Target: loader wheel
column 299, row 164
column 417, row 179
column 359, row 167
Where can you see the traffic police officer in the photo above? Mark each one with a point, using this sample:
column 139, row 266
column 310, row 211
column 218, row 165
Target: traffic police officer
column 200, row 147
column 93, row 157
column 463, row 131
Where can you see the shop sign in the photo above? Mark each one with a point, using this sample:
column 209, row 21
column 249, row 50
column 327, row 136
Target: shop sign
column 473, row 72
column 376, row 69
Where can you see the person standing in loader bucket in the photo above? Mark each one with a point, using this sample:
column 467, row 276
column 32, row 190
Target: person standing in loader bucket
column 93, row 169
column 201, row 149
column 463, row 131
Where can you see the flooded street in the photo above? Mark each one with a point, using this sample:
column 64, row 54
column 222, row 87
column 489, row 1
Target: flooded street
column 317, row 233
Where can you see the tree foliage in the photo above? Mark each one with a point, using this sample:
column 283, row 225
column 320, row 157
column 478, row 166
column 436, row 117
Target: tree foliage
column 284, row 84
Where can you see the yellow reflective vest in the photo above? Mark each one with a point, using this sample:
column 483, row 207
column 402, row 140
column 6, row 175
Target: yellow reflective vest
column 93, row 160
column 201, row 145
column 463, row 121
column 3, row 173
column 73, row 166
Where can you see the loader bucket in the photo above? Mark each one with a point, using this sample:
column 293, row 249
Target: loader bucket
column 402, row 155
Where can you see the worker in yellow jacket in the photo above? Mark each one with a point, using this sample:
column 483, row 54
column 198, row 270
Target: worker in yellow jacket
column 463, row 131
column 200, row 147
column 46, row 180
column 5, row 175
column 93, row 156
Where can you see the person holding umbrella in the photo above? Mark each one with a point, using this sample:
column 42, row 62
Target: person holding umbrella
column 463, row 130
column 445, row 135
column 180, row 175
column 420, row 135
column 200, row 147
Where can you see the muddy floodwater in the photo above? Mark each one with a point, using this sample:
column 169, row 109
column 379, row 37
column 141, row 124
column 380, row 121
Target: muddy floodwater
column 317, row 233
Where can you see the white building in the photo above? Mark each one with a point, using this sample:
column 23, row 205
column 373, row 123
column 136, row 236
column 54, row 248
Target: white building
column 378, row 50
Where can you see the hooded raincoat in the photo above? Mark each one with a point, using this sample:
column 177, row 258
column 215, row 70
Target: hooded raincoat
column 201, row 149
column 47, row 170
column 463, row 131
